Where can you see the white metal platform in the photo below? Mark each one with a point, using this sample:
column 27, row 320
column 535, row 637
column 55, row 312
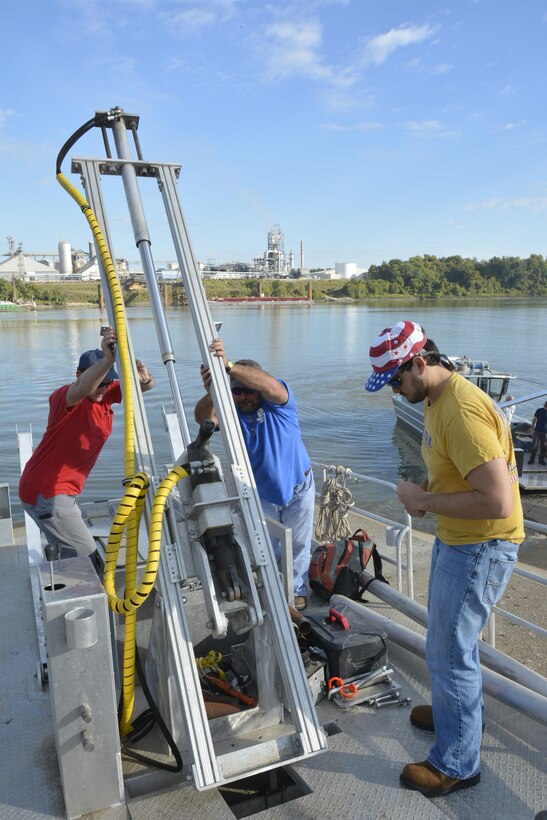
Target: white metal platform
column 358, row 777
column 534, row 476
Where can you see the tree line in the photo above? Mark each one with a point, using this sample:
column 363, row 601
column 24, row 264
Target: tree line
column 429, row 276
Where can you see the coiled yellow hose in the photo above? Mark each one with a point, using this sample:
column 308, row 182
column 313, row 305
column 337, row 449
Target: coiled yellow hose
column 128, row 515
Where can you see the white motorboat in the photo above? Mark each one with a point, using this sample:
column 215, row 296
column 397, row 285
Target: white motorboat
column 495, row 383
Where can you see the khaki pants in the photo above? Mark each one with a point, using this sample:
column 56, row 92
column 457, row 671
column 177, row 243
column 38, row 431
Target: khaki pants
column 60, row 519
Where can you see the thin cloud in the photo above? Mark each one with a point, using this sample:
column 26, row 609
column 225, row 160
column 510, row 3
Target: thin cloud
column 293, row 48
column 363, row 127
column 511, row 126
column 429, row 129
column 429, row 70
column 530, row 203
column 191, row 17
column 5, row 115
column 378, row 49
column 12, row 148
column 442, row 68
column 182, row 17
column 321, row 3
column 508, row 89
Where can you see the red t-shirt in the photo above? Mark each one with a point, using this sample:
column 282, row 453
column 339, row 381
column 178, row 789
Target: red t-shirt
column 70, row 446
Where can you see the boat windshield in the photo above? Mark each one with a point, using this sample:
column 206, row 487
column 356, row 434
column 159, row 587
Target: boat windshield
column 495, row 387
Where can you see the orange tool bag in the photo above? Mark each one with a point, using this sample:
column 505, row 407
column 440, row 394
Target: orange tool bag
column 336, row 567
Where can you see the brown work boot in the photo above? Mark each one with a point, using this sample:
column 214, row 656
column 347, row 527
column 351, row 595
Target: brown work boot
column 425, row 778
column 422, row 718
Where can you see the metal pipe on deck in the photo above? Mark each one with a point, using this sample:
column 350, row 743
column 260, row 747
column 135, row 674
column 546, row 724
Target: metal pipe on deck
column 513, row 694
column 491, row 657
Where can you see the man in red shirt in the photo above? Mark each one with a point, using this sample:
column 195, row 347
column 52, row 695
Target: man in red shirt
column 79, row 423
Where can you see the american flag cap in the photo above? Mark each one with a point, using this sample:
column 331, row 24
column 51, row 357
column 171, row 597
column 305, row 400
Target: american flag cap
column 393, row 347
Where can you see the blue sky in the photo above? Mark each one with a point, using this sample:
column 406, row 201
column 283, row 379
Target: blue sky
column 367, row 130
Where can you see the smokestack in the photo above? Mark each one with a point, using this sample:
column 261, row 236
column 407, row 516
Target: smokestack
column 301, row 254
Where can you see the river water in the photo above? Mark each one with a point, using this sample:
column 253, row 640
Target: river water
column 320, row 350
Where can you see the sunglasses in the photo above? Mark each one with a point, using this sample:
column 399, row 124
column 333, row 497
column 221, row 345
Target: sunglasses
column 238, row 391
column 395, row 380
column 104, row 384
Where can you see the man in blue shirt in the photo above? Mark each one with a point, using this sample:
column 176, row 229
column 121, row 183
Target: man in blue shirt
column 267, row 412
column 539, row 430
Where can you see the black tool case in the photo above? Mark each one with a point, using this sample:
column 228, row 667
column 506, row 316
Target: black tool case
column 350, row 651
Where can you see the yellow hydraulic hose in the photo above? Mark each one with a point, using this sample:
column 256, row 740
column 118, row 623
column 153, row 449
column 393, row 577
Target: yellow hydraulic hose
column 119, row 321
column 129, row 512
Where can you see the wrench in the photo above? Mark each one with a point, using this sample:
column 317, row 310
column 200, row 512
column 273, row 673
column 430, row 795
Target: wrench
column 394, row 695
column 392, row 702
column 395, row 701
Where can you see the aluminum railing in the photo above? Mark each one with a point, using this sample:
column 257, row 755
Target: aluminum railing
column 400, row 532
column 534, row 577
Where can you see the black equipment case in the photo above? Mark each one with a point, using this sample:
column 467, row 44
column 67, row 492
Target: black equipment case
column 349, row 652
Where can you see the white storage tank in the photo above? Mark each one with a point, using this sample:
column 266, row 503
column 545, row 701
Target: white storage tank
column 65, row 258
column 345, row 270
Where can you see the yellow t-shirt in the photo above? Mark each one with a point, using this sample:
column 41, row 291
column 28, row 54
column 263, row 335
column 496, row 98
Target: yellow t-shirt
column 463, row 429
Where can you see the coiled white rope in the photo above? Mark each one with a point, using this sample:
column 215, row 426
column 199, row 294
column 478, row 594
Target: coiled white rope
column 336, row 501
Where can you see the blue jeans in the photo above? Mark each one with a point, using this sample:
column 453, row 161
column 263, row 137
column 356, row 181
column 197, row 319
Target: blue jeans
column 298, row 515
column 464, row 583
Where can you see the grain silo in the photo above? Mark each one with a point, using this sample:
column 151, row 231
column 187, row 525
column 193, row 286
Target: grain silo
column 65, row 258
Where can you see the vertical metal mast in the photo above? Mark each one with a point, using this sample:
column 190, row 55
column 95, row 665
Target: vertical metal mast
column 282, row 728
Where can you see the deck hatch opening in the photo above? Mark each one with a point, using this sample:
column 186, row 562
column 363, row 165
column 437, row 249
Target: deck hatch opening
column 332, row 728
column 263, row 791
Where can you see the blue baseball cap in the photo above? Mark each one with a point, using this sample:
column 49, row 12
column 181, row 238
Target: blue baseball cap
column 91, row 357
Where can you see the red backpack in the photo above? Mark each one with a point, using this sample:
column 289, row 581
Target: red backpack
column 336, row 567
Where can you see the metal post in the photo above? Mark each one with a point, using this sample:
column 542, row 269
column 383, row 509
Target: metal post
column 142, row 239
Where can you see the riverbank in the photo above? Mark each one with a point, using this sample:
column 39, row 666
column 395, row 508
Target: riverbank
column 173, row 294
column 331, row 291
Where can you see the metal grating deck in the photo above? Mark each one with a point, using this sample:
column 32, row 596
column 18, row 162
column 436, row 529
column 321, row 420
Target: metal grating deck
column 357, row 778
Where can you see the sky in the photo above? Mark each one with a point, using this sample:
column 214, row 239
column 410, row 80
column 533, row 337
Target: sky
column 367, row 130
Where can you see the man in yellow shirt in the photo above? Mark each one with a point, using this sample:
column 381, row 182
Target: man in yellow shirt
column 472, row 488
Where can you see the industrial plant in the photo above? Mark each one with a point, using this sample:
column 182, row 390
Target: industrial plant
column 78, row 265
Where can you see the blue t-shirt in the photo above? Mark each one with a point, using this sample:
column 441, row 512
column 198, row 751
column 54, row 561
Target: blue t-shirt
column 541, row 423
column 276, row 450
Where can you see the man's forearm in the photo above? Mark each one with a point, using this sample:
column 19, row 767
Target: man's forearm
column 262, row 381
column 468, row 504
column 88, row 381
